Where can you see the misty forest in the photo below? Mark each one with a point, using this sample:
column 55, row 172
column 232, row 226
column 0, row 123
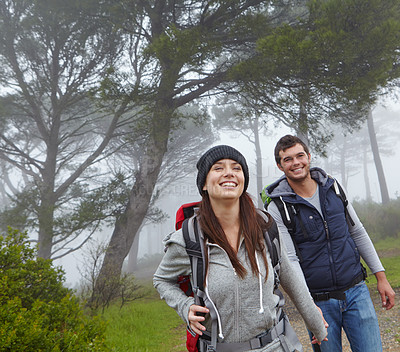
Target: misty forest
column 106, row 106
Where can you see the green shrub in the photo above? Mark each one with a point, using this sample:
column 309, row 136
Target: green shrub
column 380, row 221
column 37, row 312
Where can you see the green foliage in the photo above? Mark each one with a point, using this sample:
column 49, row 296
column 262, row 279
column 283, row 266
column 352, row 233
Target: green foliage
column 26, row 277
column 37, row 312
column 346, row 48
column 103, row 203
column 329, row 65
column 366, row 37
column 87, row 207
column 180, row 46
column 60, row 50
column 18, row 214
column 380, row 221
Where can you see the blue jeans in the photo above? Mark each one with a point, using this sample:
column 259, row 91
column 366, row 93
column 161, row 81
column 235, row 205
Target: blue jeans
column 356, row 314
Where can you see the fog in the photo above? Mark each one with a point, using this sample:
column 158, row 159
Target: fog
column 150, row 239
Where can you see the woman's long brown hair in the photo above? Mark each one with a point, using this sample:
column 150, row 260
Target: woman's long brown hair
column 252, row 227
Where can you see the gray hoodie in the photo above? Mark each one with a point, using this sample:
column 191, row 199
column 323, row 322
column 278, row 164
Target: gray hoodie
column 246, row 307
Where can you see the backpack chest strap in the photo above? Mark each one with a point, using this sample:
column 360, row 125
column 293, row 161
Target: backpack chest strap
column 257, row 342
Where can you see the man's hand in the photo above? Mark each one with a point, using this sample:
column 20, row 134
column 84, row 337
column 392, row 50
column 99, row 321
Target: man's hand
column 385, row 290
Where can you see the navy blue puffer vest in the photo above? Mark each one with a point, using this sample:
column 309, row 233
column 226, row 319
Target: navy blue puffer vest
column 330, row 259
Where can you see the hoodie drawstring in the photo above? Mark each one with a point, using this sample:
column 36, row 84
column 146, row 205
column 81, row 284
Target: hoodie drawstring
column 286, row 210
column 261, row 311
column 220, row 334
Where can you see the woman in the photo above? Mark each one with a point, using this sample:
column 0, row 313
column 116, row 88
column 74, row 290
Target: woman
column 239, row 278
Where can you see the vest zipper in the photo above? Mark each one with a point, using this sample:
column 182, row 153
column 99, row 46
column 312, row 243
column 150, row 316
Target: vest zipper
column 328, row 240
column 326, row 229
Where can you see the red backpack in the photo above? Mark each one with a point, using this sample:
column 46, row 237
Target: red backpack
column 185, row 212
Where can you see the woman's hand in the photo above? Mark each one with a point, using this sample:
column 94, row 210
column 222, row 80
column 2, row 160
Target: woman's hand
column 322, row 315
column 196, row 316
column 314, row 339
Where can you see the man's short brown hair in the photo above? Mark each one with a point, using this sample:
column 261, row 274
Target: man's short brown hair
column 287, row 142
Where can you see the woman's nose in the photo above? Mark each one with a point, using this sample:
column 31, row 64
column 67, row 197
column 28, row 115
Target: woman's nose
column 228, row 172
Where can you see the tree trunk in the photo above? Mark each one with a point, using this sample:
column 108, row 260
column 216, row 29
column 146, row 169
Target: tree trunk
column 377, row 160
column 259, row 165
column 47, row 195
column 302, row 126
column 128, row 224
column 133, row 253
column 368, row 195
column 45, row 237
column 343, row 163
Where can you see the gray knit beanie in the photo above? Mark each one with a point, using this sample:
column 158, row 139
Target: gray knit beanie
column 211, row 156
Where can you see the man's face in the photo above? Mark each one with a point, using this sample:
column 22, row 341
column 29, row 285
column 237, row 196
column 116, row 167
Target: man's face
column 295, row 163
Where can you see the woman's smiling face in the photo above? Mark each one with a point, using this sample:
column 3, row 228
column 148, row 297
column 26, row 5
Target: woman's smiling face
column 225, row 180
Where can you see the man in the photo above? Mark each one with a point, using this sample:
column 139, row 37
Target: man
column 324, row 240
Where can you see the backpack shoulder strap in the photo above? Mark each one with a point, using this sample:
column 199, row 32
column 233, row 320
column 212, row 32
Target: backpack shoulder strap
column 195, row 249
column 195, row 252
column 288, row 212
column 273, row 244
column 342, row 195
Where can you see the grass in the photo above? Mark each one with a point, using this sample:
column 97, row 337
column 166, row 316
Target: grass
column 388, row 244
column 147, row 325
column 392, row 269
column 390, row 263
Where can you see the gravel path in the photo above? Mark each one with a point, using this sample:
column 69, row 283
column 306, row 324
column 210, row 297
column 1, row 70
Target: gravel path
column 389, row 322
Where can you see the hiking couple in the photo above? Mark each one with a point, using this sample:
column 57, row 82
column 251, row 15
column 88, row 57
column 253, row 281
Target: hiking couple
column 242, row 304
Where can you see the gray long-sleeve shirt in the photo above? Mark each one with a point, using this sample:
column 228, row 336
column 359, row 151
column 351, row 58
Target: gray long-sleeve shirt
column 237, row 300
